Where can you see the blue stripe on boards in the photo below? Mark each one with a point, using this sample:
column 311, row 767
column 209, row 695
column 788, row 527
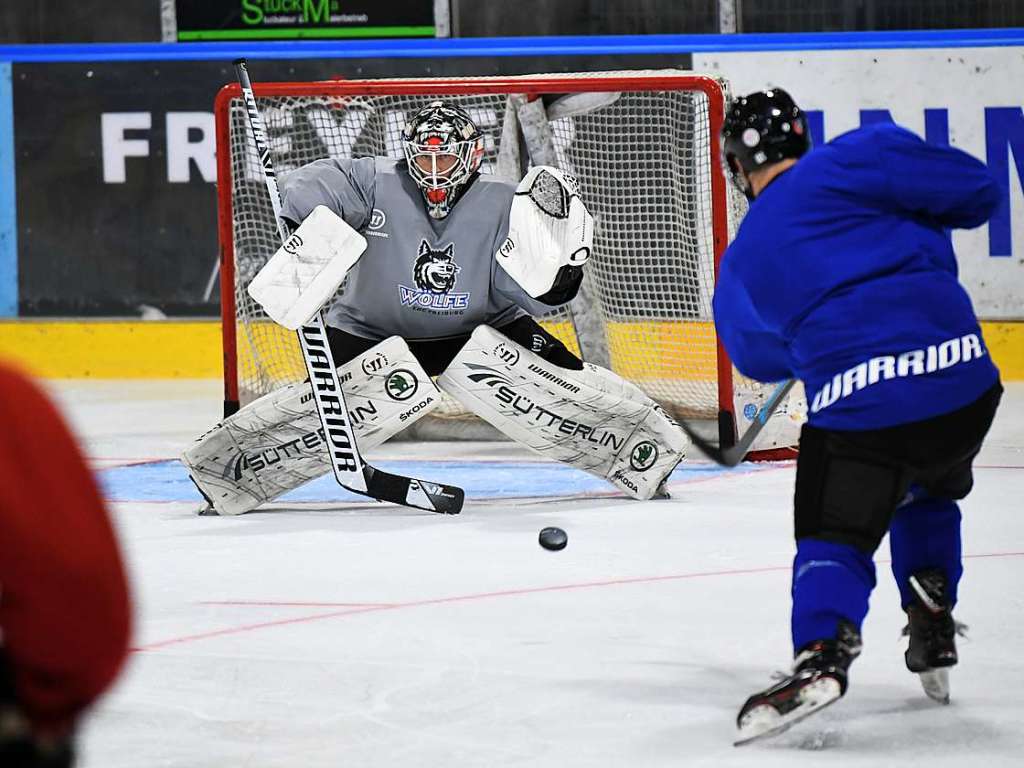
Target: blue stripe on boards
column 513, row 46
column 8, row 206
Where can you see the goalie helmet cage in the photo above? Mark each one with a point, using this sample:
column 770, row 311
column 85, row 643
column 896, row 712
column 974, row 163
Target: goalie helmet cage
column 644, row 147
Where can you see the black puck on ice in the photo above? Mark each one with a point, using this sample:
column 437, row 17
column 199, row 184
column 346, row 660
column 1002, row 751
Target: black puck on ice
column 553, row 538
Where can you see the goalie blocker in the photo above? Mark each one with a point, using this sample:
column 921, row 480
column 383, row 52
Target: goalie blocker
column 590, row 419
column 276, row 443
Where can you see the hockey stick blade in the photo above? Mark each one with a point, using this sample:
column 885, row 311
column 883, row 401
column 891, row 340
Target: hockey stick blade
column 410, row 492
column 730, row 457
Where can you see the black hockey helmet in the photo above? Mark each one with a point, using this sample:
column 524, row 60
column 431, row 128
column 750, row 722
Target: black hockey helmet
column 760, row 129
column 443, row 148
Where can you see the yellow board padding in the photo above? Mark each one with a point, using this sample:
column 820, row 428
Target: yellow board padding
column 122, row 349
column 114, row 349
column 1005, row 342
column 655, row 350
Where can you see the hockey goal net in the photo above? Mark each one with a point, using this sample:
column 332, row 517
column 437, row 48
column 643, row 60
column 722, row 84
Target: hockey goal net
column 642, row 144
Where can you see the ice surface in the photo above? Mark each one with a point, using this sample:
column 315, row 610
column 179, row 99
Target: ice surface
column 325, row 633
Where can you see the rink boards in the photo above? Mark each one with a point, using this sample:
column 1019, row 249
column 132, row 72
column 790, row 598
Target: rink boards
column 131, row 349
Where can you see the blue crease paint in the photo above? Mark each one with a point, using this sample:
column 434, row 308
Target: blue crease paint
column 167, row 480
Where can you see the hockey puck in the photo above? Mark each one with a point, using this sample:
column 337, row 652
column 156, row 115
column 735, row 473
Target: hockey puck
column 553, row 538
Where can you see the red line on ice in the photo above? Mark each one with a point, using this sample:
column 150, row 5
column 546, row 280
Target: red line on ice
column 444, row 600
column 373, row 608
column 266, row 604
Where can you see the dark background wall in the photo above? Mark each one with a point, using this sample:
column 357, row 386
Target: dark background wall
column 79, row 21
column 58, row 21
column 91, row 247
column 471, row 18
column 856, row 15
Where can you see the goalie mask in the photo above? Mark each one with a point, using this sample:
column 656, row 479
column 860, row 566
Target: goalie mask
column 444, row 149
column 760, row 129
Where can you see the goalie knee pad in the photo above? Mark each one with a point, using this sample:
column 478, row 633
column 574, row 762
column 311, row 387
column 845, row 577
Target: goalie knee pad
column 276, row 443
column 591, row 419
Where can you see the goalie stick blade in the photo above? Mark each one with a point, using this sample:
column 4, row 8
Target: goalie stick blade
column 410, row 492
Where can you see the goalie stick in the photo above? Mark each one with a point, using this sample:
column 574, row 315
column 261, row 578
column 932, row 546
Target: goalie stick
column 350, row 469
column 730, row 457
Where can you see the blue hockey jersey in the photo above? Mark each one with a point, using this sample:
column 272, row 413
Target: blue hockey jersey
column 842, row 274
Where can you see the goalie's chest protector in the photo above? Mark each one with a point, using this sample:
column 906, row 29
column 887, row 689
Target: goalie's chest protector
column 421, row 278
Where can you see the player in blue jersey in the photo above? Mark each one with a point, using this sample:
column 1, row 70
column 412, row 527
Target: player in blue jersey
column 842, row 275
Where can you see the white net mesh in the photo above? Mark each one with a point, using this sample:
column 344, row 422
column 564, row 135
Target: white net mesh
column 642, row 155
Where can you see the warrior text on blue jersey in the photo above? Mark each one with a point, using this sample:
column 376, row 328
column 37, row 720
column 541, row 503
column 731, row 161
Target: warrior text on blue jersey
column 843, row 275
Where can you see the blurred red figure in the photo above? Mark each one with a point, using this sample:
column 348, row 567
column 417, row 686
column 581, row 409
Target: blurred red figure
column 64, row 608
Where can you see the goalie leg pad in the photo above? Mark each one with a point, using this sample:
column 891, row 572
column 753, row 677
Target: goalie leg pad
column 276, row 443
column 590, row 419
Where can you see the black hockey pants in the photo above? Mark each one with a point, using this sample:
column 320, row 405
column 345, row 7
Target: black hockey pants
column 848, row 484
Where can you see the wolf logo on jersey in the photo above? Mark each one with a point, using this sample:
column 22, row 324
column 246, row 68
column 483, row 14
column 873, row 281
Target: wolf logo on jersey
column 435, row 271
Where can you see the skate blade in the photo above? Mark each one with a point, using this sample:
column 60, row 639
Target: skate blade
column 936, row 684
column 764, row 721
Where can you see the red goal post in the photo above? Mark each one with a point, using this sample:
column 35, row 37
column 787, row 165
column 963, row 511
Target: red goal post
column 645, row 148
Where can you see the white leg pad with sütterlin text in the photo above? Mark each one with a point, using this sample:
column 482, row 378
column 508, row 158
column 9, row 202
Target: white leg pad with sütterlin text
column 275, row 443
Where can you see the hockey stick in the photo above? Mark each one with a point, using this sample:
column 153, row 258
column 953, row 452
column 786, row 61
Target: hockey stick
column 730, row 457
column 350, row 469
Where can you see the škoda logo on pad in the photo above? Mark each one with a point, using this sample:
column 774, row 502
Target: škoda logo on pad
column 643, row 456
column 401, row 384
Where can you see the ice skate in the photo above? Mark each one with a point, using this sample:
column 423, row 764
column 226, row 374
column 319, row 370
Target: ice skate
column 819, row 678
column 932, row 632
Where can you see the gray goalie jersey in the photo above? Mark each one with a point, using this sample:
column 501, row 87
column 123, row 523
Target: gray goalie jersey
column 420, row 278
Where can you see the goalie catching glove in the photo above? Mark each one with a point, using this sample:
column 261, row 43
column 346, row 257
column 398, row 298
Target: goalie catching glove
column 550, row 232
column 590, row 419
